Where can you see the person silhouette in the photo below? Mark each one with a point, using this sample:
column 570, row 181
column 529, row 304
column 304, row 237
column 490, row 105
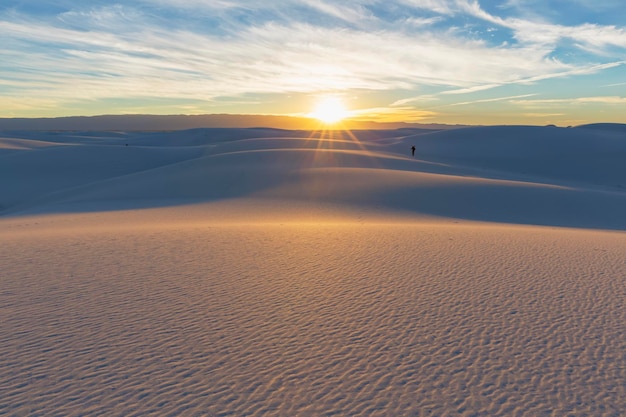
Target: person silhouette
column 413, row 150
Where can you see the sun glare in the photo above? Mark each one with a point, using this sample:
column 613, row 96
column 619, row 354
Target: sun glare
column 330, row 110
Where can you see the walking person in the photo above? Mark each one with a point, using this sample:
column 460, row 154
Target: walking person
column 413, row 151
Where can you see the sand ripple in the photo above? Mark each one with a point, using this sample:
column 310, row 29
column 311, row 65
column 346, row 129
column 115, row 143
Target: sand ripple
column 304, row 320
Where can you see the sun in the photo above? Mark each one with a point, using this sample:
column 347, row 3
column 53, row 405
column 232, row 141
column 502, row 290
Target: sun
column 330, row 110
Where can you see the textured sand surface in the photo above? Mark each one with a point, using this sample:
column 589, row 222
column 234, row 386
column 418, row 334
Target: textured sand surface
column 306, row 319
column 257, row 275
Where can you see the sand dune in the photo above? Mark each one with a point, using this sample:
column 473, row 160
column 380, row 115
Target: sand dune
column 232, row 272
column 576, row 156
column 525, row 175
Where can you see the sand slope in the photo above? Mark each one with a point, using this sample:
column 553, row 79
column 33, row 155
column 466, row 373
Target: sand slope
column 527, row 175
column 269, row 273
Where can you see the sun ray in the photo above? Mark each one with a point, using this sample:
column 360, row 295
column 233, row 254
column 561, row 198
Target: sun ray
column 333, row 140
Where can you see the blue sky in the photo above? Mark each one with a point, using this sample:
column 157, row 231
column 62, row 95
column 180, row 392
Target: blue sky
column 446, row 61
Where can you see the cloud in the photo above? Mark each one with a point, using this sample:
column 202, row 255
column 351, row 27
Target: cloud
column 544, row 115
column 446, row 7
column 585, row 70
column 613, row 100
column 422, row 21
column 206, row 49
column 396, row 114
column 206, row 4
column 420, row 99
column 592, row 37
column 147, row 60
column 474, row 89
column 491, row 100
column 109, row 18
column 350, row 14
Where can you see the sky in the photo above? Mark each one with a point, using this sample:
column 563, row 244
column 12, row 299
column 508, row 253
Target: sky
column 428, row 61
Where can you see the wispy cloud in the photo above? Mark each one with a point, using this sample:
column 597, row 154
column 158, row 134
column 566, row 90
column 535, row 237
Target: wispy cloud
column 397, row 114
column 474, row 89
column 593, row 37
column 492, row 100
column 206, row 49
column 569, row 101
column 543, row 115
column 352, row 13
column 438, row 6
column 270, row 58
column 425, row 98
column 422, row 21
column 590, row 69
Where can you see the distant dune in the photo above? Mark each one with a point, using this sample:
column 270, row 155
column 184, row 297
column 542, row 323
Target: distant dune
column 267, row 272
column 613, row 127
column 510, row 174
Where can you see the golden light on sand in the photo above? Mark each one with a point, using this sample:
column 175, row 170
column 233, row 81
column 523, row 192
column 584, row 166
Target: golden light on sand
column 330, row 110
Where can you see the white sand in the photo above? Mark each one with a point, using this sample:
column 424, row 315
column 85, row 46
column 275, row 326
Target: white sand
column 212, row 273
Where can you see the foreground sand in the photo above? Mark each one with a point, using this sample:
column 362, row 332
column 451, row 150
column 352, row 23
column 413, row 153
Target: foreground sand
column 350, row 289
column 291, row 319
